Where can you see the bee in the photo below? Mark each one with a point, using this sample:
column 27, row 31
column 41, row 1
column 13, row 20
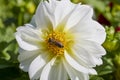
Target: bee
column 57, row 43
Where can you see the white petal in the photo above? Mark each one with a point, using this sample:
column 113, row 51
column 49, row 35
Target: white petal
column 92, row 47
column 94, row 50
column 58, row 72
column 36, row 66
column 30, row 30
column 46, row 70
column 74, row 74
column 100, row 34
column 75, row 64
column 32, row 22
column 43, row 17
column 83, row 57
column 92, row 71
column 62, row 10
column 25, row 66
column 97, row 60
column 89, row 30
column 52, row 13
column 25, row 45
column 80, row 13
column 28, row 38
column 85, row 61
column 26, row 57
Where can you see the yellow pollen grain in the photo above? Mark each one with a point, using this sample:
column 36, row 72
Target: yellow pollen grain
column 56, row 42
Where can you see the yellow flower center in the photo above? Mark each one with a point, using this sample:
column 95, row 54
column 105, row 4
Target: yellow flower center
column 56, row 42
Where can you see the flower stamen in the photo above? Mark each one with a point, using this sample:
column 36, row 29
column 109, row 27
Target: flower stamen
column 56, row 42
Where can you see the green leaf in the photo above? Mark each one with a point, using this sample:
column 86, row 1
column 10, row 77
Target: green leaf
column 96, row 78
column 7, row 48
column 9, row 73
column 7, row 34
column 5, row 64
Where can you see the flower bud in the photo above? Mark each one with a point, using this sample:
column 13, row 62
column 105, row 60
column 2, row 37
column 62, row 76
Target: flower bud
column 111, row 43
column 30, row 7
column 110, row 32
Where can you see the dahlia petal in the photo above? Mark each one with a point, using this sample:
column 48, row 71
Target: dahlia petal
column 29, row 30
column 57, row 72
column 100, row 34
column 74, row 74
column 92, row 71
column 92, row 47
column 32, row 22
column 36, row 67
column 46, row 70
column 94, row 50
column 75, row 64
column 25, row 65
column 64, row 8
column 88, row 63
column 97, row 60
column 26, row 57
column 27, row 38
column 44, row 16
column 81, row 13
column 83, row 57
column 25, row 45
column 95, row 30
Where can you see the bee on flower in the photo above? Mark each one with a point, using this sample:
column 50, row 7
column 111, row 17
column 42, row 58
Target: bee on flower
column 61, row 42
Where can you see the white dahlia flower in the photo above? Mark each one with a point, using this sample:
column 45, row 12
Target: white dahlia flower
column 62, row 42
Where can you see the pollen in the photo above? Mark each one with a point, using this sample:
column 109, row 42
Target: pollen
column 56, row 42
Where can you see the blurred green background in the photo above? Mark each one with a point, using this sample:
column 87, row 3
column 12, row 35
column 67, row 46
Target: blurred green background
column 14, row 13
